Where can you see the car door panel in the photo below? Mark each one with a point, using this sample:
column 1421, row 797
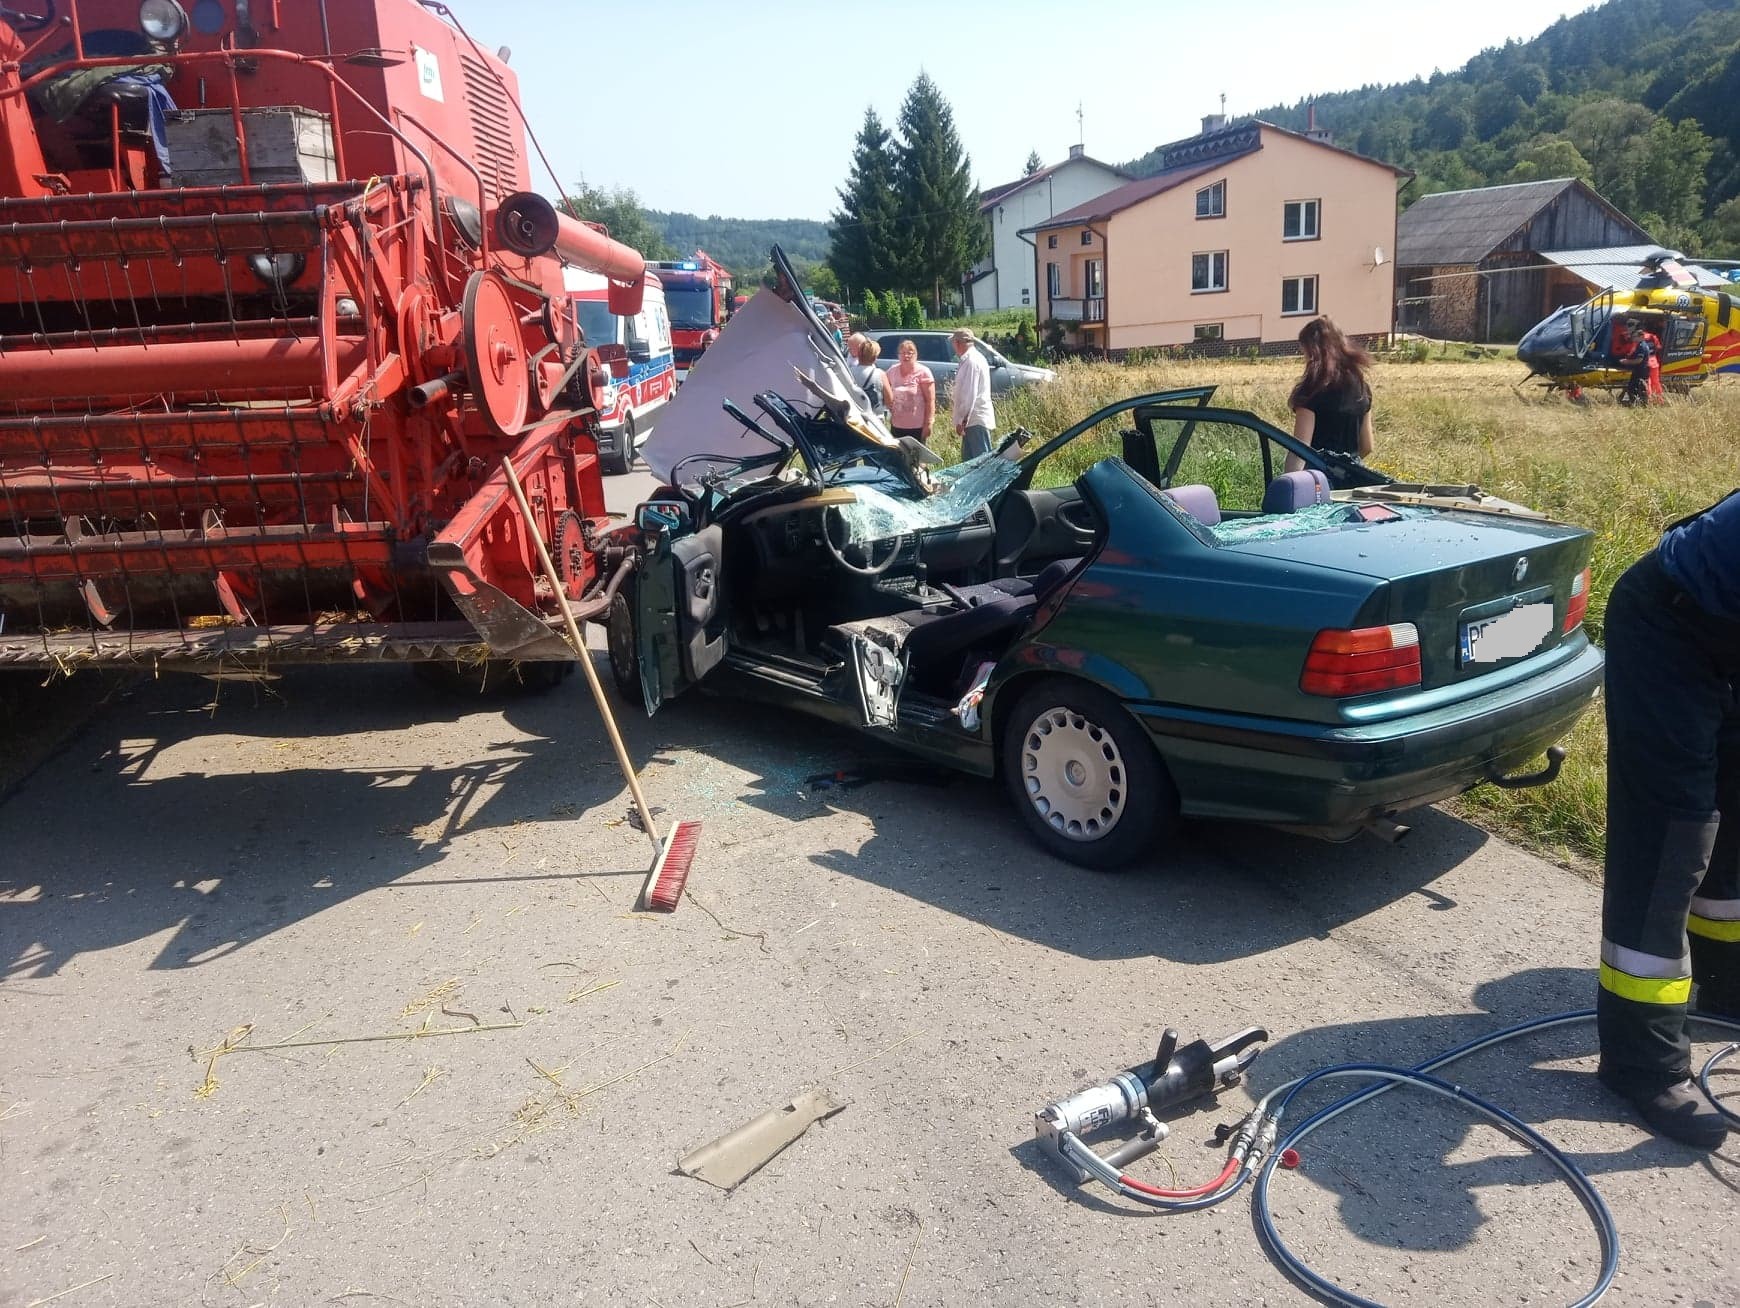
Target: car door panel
column 681, row 626
column 704, row 634
column 1037, row 526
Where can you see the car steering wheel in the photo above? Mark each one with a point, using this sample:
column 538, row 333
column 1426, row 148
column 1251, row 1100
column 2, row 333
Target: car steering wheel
column 23, row 23
column 870, row 568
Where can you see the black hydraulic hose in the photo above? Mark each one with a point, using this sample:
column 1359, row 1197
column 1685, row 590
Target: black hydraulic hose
column 1389, row 1078
column 1716, row 1059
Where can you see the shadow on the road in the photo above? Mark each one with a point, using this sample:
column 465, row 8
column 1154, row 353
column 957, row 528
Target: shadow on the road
column 119, row 849
column 106, row 845
column 1406, row 1170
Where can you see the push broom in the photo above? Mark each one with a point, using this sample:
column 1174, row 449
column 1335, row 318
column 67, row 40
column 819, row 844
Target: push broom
column 672, row 856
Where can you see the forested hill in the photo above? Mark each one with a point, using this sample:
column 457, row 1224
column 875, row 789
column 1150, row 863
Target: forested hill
column 741, row 244
column 1641, row 98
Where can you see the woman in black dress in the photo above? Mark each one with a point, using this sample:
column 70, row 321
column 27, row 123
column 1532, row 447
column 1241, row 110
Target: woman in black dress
column 1332, row 402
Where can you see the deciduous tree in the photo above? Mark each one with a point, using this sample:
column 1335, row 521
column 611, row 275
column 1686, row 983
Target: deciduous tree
column 1549, row 156
column 619, row 210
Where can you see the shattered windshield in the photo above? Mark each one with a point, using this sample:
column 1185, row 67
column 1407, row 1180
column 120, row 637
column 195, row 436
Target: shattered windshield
column 961, row 490
column 1311, row 518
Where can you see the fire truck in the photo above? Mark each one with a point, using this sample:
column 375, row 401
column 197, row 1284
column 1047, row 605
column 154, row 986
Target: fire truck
column 699, row 296
column 277, row 305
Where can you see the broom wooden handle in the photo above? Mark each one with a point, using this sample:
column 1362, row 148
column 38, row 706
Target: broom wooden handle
column 513, row 481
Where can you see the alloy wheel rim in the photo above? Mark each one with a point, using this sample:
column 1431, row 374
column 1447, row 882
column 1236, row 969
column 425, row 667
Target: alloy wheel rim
column 1073, row 774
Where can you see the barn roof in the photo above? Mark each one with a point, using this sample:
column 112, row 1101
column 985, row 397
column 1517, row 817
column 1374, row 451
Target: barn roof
column 1461, row 227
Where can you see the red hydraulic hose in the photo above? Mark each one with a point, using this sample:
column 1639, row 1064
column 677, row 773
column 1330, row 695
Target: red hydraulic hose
column 1227, row 1173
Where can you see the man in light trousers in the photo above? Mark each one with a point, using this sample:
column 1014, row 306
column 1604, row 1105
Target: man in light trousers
column 974, row 418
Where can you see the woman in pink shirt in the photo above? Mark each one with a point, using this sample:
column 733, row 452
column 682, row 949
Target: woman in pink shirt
column 911, row 395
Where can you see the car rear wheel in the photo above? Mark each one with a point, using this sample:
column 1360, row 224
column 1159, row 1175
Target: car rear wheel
column 1085, row 777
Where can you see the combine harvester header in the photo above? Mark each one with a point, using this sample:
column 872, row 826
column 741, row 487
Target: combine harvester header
column 276, row 303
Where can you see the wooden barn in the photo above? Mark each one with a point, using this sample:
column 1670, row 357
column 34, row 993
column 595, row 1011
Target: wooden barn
column 1478, row 265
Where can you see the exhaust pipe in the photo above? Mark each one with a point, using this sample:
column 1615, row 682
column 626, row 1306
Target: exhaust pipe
column 1388, row 830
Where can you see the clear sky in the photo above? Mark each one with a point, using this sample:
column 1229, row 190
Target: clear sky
column 748, row 110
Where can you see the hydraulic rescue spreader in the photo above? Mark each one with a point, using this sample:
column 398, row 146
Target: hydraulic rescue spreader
column 1174, row 1077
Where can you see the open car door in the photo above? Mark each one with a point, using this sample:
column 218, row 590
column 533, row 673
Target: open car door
column 1042, row 518
column 680, row 628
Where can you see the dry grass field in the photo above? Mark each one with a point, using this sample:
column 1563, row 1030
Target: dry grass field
column 1622, row 473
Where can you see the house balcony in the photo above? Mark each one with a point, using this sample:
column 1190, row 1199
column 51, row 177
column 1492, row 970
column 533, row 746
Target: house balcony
column 1091, row 309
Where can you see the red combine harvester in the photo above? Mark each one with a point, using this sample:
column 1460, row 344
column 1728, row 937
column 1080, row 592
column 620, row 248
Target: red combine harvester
column 276, row 302
column 699, row 297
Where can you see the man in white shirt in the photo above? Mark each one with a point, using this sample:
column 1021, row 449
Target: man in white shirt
column 974, row 418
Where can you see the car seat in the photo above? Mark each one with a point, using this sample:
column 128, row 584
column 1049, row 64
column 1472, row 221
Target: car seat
column 993, row 611
column 1198, row 501
column 1295, row 490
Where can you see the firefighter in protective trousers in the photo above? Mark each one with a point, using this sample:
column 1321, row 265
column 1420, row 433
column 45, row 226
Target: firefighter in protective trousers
column 1671, row 914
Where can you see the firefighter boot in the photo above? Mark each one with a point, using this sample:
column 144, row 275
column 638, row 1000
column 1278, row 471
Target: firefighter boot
column 1677, row 1111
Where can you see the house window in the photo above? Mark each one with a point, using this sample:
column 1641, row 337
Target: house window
column 1051, row 242
column 1053, row 280
column 1087, row 237
column 1208, row 331
column 1299, row 220
column 1211, row 201
column 1208, row 272
column 1095, row 278
column 1298, row 295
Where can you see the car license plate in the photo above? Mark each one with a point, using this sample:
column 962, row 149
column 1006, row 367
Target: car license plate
column 1510, row 635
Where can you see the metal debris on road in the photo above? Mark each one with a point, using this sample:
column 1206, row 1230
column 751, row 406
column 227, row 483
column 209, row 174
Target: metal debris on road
column 738, row 1154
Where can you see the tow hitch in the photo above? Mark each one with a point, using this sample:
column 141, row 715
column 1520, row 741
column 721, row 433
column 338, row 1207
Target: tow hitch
column 1555, row 761
column 1174, row 1077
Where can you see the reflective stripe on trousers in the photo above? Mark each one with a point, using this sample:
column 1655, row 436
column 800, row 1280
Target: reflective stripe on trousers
column 1715, row 919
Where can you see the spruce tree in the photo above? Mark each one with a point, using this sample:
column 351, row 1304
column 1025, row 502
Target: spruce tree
column 863, row 233
column 941, row 232
column 1034, row 163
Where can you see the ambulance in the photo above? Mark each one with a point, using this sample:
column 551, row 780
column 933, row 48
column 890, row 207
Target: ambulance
column 643, row 364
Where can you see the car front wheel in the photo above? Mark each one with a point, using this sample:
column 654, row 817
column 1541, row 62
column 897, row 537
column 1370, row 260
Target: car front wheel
column 1085, row 777
column 621, row 640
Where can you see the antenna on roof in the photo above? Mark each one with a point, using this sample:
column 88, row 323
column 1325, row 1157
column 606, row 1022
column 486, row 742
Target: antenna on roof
column 1080, row 139
column 1223, row 104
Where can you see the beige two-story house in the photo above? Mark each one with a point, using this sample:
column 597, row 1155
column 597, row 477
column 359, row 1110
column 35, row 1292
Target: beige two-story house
column 1245, row 234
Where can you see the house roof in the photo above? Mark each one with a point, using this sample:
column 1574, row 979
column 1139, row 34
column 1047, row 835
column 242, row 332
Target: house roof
column 1122, row 197
column 1189, row 158
column 1618, row 266
column 995, row 194
column 1459, row 227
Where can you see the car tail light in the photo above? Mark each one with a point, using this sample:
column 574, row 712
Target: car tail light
column 1578, row 604
column 1362, row 661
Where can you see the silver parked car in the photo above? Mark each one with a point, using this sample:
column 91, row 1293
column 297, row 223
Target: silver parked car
column 937, row 352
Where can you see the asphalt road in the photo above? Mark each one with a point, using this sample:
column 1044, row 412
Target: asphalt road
column 488, row 1064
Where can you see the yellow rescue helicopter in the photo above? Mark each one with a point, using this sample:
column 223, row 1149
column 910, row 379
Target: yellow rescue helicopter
column 1573, row 350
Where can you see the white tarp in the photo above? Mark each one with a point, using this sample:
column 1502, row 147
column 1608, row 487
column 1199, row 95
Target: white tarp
column 764, row 347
